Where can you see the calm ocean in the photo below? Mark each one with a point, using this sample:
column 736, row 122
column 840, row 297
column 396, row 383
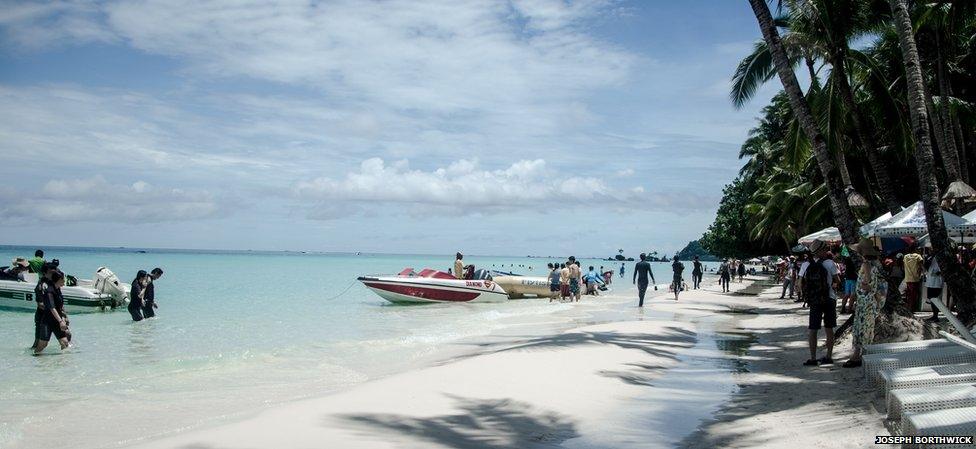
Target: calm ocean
column 237, row 331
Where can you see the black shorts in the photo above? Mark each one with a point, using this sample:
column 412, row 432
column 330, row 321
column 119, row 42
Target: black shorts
column 554, row 288
column 136, row 313
column 45, row 325
column 825, row 311
column 933, row 293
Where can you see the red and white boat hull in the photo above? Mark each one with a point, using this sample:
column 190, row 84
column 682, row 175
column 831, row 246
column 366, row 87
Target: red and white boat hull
column 404, row 289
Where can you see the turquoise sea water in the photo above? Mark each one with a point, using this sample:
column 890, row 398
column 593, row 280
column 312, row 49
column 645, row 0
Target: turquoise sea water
column 237, row 331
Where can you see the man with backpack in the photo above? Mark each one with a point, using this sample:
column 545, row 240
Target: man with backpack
column 819, row 276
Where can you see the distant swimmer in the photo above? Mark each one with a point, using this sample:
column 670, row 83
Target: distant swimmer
column 641, row 272
column 622, row 270
column 149, row 295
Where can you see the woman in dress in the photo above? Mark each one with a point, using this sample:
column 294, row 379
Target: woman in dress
column 871, row 291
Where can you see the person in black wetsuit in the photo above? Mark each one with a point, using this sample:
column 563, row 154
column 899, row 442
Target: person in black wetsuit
column 137, row 294
column 149, row 295
column 677, row 283
column 696, row 273
column 641, row 272
column 50, row 317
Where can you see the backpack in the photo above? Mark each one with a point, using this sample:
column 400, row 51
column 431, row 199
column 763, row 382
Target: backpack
column 816, row 283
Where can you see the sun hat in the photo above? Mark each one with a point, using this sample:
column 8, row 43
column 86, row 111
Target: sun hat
column 866, row 247
column 20, row 261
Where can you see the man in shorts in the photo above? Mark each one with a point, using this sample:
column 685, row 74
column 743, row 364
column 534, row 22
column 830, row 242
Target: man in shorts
column 563, row 282
column 575, row 274
column 678, row 281
column 819, row 277
column 553, row 281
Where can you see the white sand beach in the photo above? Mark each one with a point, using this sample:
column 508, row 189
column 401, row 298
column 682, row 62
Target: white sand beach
column 720, row 371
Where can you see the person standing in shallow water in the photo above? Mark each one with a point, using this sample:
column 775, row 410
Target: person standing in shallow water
column 149, row 294
column 50, row 317
column 696, row 273
column 641, row 272
column 136, row 295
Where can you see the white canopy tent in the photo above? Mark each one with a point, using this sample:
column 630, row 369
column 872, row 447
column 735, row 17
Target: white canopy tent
column 868, row 228
column 830, row 235
column 911, row 221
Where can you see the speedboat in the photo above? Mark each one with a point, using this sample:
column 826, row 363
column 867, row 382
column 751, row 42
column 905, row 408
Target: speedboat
column 430, row 285
column 103, row 292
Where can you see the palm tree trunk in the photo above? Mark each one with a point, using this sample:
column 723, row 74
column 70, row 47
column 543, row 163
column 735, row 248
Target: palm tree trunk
column 870, row 146
column 946, row 150
column 958, row 280
column 945, row 115
column 843, row 215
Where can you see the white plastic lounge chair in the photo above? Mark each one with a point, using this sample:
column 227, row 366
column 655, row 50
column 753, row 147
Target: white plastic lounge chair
column 907, row 346
column 953, row 421
column 924, row 399
column 927, row 376
column 875, row 363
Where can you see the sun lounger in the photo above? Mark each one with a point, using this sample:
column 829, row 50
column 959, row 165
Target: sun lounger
column 925, row 399
column 874, row 364
column 927, row 376
column 907, row 346
column 953, row 421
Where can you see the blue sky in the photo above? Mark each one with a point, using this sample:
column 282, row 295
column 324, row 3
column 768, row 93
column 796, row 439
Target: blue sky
column 540, row 127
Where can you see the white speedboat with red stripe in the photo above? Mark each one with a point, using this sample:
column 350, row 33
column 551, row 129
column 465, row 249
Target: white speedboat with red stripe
column 433, row 286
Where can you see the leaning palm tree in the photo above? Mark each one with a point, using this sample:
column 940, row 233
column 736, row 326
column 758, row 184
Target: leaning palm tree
column 843, row 215
column 960, row 283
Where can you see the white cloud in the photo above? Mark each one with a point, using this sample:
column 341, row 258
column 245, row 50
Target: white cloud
column 625, row 173
column 96, row 199
column 464, row 188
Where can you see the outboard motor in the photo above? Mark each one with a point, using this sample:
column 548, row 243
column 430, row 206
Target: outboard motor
column 107, row 282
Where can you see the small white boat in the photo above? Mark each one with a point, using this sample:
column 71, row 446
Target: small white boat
column 103, row 292
column 429, row 286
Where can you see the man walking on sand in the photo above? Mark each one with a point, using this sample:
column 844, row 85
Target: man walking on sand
column 819, row 277
column 678, row 282
column 641, row 272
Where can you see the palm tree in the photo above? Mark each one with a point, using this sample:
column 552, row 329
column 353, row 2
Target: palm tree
column 843, row 215
column 959, row 282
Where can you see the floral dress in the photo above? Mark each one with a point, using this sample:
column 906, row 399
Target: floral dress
column 871, row 292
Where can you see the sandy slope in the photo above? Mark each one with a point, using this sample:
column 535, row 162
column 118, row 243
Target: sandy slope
column 646, row 383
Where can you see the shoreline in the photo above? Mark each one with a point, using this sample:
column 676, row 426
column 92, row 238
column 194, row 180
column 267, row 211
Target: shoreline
column 596, row 385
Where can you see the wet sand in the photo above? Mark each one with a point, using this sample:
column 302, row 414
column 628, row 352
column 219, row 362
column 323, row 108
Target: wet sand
column 711, row 370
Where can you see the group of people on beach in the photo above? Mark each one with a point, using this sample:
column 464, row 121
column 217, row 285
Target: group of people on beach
column 50, row 317
column 567, row 279
column 864, row 279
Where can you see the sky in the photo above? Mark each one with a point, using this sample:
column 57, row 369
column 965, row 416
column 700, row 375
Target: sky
column 542, row 127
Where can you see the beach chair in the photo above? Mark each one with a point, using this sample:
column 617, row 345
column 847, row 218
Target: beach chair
column 907, row 346
column 925, row 399
column 926, row 376
column 953, row 421
column 875, row 364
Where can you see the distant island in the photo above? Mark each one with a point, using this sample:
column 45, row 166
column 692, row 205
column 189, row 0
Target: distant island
column 694, row 248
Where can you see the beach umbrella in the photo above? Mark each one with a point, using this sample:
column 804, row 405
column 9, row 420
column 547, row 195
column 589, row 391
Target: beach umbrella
column 911, row 221
column 829, row 235
column 959, row 190
column 867, row 230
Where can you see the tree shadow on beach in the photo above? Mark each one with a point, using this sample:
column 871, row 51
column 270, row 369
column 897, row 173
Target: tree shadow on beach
column 642, row 374
column 478, row 423
column 665, row 343
column 822, row 392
